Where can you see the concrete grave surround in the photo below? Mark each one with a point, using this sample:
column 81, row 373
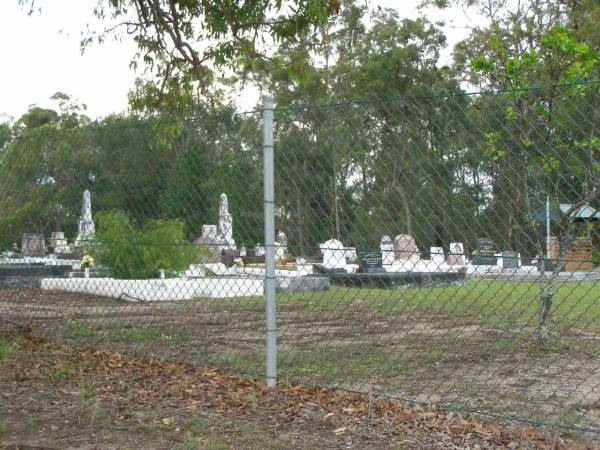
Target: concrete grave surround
column 334, row 254
column 158, row 290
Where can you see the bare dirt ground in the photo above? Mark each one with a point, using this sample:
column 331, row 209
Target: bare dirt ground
column 55, row 396
column 423, row 357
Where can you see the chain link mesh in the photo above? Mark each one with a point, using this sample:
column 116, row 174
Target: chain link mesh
column 439, row 250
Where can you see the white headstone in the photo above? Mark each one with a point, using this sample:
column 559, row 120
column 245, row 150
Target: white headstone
column 456, row 256
column 282, row 239
column 243, row 250
column 209, row 231
column 259, row 250
column 212, row 244
column 225, row 231
column 59, row 243
column 280, row 246
column 386, row 247
column 437, row 255
column 334, row 254
column 86, row 228
column 351, row 254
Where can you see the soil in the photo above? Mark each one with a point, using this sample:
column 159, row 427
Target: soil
column 55, row 396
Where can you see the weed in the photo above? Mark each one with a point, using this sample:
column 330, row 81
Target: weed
column 88, row 390
column 32, row 423
column 7, row 349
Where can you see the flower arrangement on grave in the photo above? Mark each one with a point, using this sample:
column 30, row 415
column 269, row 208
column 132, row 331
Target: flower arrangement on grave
column 87, row 261
column 238, row 262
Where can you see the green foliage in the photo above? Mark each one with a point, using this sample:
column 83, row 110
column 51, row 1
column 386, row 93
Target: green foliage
column 130, row 252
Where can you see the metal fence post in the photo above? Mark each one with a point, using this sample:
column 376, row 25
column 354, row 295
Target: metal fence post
column 269, row 208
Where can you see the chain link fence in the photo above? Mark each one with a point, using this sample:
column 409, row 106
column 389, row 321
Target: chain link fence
column 439, row 250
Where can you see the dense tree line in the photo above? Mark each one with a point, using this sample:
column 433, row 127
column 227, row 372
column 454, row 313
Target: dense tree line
column 373, row 136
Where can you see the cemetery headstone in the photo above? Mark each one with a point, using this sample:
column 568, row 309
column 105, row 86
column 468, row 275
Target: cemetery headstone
column 282, row 239
column 86, row 228
column 259, row 250
column 243, row 251
column 228, row 256
column 405, row 247
column 212, row 244
column 437, row 255
column 225, row 230
column 371, row 262
column 280, row 246
column 484, row 254
column 334, row 254
column 59, row 243
column 456, row 255
column 386, row 246
column 510, row 260
column 351, row 255
column 33, row 245
column 279, row 252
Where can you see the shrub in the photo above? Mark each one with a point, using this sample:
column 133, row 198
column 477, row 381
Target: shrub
column 130, row 252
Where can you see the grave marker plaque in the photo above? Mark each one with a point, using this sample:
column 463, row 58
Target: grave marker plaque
column 485, row 251
column 371, row 263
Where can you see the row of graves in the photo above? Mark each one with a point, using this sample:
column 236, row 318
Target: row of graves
column 227, row 271
column 36, row 260
column 232, row 271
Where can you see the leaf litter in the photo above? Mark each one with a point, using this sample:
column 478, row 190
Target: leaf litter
column 350, row 419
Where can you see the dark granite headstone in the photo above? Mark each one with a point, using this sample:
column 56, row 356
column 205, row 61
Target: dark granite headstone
column 228, row 256
column 371, row 263
column 510, row 260
column 484, row 255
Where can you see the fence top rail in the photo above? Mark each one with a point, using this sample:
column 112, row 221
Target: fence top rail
column 376, row 99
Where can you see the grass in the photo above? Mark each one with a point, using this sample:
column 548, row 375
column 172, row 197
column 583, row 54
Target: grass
column 88, row 390
column 7, row 349
column 457, row 344
column 488, row 301
column 215, row 433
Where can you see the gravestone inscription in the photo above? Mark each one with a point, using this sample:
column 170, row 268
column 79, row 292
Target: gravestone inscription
column 484, row 255
column 371, row 262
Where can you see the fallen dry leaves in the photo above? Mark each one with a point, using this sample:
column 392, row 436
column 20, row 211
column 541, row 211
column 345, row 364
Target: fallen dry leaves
column 149, row 380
